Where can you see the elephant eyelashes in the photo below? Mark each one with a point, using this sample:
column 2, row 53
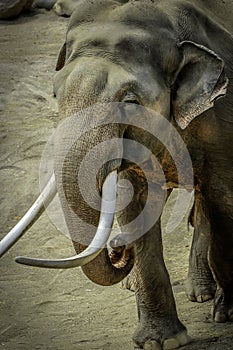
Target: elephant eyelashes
column 132, row 101
column 131, row 98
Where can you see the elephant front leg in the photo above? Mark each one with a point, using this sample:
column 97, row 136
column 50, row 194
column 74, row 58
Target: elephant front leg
column 159, row 326
column 200, row 284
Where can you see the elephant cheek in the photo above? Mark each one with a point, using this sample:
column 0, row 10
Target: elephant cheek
column 163, row 104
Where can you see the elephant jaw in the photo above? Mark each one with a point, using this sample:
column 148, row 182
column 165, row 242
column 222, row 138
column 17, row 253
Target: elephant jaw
column 98, row 243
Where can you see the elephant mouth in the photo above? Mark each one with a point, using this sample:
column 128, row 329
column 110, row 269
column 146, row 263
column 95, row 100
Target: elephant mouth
column 97, row 244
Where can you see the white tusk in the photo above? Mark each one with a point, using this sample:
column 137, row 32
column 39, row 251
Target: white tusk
column 30, row 217
column 102, row 234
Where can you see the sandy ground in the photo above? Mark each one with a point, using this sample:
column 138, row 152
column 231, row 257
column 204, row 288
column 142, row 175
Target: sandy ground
column 54, row 309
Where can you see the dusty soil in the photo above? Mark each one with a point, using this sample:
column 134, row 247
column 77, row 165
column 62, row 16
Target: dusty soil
column 50, row 309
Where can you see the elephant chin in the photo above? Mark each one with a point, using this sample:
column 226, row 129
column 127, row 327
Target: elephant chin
column 97, row 264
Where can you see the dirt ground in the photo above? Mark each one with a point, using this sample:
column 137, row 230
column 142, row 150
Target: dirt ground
column 60, row 309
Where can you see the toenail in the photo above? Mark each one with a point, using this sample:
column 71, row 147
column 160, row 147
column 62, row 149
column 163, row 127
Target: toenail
column 152, row 345
column 183, row 338
column 220, row 317
column 170, row 344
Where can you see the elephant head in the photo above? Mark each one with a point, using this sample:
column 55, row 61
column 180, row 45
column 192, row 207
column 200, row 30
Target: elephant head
column 114, row 62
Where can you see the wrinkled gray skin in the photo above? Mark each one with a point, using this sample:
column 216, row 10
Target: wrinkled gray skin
column 149, row 53
column 66, row 7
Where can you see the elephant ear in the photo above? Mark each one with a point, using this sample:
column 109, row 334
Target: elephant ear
column 199, row 82
column 61, row 58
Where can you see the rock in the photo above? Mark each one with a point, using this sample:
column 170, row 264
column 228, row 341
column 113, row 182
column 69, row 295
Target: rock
column 12, row 8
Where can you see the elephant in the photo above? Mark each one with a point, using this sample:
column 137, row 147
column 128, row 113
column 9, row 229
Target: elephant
column 172, row 58
column 65, row 7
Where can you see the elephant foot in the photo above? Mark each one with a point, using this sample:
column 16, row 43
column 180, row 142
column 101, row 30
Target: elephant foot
column 174, row 342
column 149, row 340
column 200, row 289
column 222, row 310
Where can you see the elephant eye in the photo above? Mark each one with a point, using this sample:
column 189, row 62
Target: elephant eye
column 133, row 101
column 131, row 98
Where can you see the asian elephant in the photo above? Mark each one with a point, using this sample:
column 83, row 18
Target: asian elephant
column 174, row 57
column 65, row 7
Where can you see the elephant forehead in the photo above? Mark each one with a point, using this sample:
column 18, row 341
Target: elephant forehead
column 100, row 79
column 110, row 40
column 140, row 14
column 123, row 33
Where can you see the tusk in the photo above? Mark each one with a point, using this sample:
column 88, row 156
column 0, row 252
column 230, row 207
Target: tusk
column 97, row 244
column 30, row 217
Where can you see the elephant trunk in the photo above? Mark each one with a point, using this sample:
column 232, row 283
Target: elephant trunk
column 103, row 271
column 85, row 169
column 119, row 257
column 79, row 184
